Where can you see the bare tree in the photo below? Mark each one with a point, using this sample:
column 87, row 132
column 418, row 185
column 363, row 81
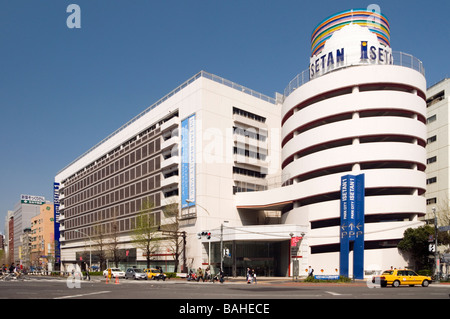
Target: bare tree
column 113, row 244
column 100, row 241
column 171, row 230
column 145, row 236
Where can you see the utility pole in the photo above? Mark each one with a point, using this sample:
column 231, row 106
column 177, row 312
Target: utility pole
column 221, row 246
column 436, row 254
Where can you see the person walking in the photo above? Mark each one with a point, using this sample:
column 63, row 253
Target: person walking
column 249, row 276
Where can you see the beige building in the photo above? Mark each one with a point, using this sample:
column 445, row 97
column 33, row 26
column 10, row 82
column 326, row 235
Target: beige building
column 41, row 238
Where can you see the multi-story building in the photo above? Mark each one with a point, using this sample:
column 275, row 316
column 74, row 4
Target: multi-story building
column 24, row 210
column 9, row 236
column 438, row 145
column 42, row 237
column 263, row 175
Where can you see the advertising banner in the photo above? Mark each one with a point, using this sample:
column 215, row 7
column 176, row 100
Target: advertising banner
column 188, row 162
column 56, row 222
column 352, row 224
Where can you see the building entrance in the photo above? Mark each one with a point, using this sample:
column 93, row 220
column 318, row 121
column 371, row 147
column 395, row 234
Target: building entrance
column 267, row 258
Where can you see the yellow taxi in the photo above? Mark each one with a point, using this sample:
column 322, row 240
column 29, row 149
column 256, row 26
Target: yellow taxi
column 153, row 273
column 397, row 277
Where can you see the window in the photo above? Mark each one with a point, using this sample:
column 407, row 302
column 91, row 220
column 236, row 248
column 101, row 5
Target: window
column 431, row 180
column 431, row 201
column 431, row 139
column 249, row 115
column 431, row 119
column 431, row 160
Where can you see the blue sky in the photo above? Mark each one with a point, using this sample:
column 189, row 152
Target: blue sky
column 63, row 90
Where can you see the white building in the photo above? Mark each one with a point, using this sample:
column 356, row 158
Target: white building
column 438, row 188
column 261, row 173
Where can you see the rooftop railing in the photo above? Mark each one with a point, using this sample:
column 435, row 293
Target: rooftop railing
column 200, row 74
column 399, row 58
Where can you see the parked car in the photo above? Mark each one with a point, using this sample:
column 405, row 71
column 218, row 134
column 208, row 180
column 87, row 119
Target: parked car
column 135, row 273
column 397, row 277
column 115, row 272
column 154, row 273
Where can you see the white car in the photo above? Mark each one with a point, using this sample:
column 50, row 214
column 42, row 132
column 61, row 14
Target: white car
column 115, row 272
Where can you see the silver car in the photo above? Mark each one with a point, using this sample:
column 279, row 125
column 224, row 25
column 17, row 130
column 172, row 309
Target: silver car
column 135, row 273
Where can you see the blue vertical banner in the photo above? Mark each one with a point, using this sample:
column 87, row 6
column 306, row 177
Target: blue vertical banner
column 56, row 223
column 358, row 247
column 352, row 223
column 188, row 162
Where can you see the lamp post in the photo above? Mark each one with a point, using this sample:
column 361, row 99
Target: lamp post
column 436, row 255
column 189, row 201
column 90, row 246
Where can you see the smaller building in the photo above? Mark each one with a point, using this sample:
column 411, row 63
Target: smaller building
column 42, row 238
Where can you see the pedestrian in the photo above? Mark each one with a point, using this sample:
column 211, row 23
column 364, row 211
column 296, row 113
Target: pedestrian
column 221, row 276
column 254, row 275
column 200, row 274
column 310, row 272
column 249, row 275
column 88, row 277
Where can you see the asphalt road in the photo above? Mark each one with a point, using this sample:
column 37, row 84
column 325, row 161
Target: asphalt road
column 55, row 288
column 235, row 299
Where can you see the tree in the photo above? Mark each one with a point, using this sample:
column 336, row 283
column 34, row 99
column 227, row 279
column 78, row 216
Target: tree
column 415, row 242
column 100, row 240
column 145, row 236
column 113, row 243
column 171, row 229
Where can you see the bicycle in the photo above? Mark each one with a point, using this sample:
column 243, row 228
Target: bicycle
column 8, row 277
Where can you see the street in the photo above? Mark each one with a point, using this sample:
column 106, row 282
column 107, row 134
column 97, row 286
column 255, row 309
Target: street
column 60, row 288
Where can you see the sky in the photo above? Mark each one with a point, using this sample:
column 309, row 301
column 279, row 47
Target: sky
column 62, row 90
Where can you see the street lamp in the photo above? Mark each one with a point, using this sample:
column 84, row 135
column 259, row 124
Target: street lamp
column 436, row 256
column 90, row 247
column 190, row 201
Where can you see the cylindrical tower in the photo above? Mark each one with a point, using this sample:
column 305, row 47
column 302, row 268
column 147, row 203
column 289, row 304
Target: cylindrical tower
column 360, row 111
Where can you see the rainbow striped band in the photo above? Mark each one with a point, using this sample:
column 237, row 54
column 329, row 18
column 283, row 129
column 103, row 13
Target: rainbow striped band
column 376, row 22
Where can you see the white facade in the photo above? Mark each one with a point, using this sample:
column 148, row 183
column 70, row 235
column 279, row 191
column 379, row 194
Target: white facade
column 268, row 170
column 438, row 188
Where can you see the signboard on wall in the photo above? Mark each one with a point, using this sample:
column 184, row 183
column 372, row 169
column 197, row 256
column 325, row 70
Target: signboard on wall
column 56, row 222
column 352, row 225
column 188, row 161
column 32, row 199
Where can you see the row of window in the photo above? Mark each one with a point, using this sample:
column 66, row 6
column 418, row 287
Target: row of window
column 248, row 153
column 115, row 153
column 131, row 207
column 248, row 172
column 139, row 171
column 249, row 132
column 121, row 163
column 249, row 115
column 124, row 193
column 122, row 225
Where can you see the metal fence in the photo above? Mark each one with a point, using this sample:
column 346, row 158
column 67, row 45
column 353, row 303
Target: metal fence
column 399, row 58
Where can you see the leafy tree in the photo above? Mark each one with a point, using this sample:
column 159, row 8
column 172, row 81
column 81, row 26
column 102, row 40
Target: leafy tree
column 415, row 243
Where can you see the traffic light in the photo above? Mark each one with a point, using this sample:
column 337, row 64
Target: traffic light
column 204, row 233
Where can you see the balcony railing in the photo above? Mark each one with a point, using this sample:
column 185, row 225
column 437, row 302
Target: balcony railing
column 400, row 58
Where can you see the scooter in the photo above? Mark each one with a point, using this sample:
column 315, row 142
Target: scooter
column 160, row 276
column 191, row 276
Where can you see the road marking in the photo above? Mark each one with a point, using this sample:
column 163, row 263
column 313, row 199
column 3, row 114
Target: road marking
column 83, row 295
column 333, row 293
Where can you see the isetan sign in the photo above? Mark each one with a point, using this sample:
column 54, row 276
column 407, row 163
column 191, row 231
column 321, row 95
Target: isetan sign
column 334, row 59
